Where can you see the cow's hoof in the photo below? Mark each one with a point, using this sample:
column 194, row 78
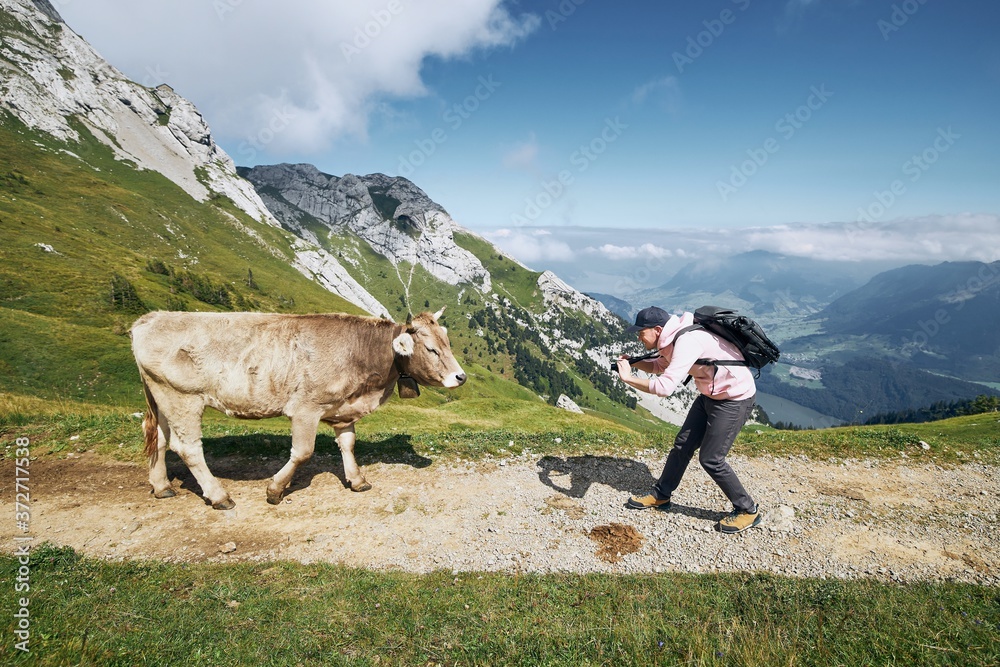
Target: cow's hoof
column 225, row 504
column 274, row 498
column 165, row 493
column 363, row 486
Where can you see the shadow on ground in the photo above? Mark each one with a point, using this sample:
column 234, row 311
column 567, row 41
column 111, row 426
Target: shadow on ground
column 260, row 456
column 572, row 476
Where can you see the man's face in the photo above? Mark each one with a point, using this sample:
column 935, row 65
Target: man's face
column 648, row 337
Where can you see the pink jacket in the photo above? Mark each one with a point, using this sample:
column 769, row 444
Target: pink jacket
column 676, row 362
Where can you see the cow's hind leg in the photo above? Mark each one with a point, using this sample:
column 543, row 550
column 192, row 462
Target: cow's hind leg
column 303, row 444
column 346, row 439
column 158, row 462
column 185, row 439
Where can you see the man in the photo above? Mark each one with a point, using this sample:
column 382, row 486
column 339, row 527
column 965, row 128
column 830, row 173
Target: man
column 725, row 401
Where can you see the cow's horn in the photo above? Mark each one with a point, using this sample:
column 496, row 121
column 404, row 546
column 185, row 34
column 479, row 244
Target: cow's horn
column 409, row 318
column 439, row 313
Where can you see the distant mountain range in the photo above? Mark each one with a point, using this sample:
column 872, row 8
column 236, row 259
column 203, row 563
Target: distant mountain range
column 944, row 317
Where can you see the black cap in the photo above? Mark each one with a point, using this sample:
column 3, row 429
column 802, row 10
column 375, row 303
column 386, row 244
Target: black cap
column 649, row 317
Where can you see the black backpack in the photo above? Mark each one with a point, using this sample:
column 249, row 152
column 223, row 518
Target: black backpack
column 758, row 350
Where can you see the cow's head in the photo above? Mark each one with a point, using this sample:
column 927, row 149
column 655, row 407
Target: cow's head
column 424, row 352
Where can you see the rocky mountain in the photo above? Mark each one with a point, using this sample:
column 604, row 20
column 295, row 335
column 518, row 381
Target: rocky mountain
column 392, row 215
column 54, row 82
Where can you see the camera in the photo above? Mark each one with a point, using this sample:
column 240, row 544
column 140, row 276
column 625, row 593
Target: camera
column 632, row 360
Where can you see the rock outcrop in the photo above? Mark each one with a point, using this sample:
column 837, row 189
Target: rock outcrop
column 395, row 217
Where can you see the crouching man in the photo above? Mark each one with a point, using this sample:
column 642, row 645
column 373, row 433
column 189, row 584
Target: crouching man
column 723, row 406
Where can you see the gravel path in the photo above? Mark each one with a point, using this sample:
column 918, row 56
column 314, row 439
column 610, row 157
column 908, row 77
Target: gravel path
column 894, row 521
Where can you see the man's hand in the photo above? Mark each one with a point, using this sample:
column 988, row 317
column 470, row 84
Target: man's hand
column 624, row 368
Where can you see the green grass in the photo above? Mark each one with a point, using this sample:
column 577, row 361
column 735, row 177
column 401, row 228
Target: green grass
column 956, row 440
column 87, row 611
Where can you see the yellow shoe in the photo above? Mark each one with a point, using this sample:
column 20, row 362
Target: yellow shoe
column 738, row 521
column 646, row 502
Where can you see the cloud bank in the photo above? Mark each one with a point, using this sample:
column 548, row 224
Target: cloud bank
column 591, row 258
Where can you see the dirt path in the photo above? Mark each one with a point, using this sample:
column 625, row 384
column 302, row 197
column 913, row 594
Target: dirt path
column 850, row 519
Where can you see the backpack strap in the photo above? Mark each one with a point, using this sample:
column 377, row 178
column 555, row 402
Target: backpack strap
column 708, row 362
column 683, row 331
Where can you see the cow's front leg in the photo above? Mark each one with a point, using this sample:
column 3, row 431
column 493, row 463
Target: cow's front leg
column 345, row 439
column 303, row 444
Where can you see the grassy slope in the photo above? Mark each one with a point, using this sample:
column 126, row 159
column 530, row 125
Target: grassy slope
column 60, row 335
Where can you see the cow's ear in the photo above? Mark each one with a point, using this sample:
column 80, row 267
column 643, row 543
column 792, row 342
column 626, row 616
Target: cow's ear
column 438, row 314
column 403, row 344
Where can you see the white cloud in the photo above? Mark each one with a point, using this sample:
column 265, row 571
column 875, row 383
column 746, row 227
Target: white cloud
column 301, row 74
column 522, row 155
column 531, row 247
column 665, row 91
column 644, row 251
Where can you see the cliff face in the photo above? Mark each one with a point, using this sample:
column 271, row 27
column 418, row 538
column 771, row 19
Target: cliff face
column 54, row 82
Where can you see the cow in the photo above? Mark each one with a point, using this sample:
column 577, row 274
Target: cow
column 334, row 368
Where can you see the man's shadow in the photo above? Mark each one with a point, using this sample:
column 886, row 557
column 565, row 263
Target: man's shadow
column 573, row 476
column 260, row 456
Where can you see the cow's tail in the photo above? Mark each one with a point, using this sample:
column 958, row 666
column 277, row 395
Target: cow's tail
column 150, row 425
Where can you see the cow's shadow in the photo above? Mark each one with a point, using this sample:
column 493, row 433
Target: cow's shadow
column 573, row 476
column 260, row 456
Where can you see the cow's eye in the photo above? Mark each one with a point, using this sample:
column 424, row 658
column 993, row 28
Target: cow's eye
column 434, row 350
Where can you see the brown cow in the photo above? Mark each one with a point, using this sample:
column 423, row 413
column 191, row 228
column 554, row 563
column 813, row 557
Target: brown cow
column 333, row 368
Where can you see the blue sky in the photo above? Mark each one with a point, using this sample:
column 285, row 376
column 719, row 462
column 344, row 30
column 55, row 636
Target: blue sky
column 647, row 122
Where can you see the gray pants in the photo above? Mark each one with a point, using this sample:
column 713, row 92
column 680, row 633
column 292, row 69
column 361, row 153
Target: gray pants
column 711, row 426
